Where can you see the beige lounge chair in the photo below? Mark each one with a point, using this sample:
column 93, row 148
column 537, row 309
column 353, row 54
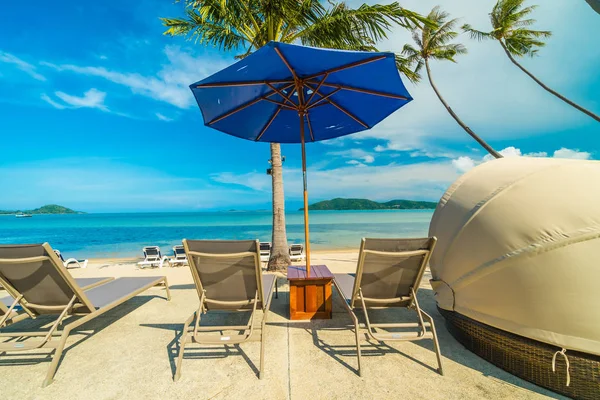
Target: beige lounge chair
column 228, row 277
column 8, row 302
column 388, row 274
column 40, row 285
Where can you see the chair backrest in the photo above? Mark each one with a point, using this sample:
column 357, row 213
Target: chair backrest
column 296, row 249
column 36, row 272
column 388, row 269
column 228, row 270
column 179, row 252
column 152, row 252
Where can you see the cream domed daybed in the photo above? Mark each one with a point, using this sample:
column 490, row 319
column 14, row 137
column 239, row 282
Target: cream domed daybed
column 516, row 270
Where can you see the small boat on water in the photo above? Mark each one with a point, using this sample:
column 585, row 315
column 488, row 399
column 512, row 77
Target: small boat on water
column 23, row 215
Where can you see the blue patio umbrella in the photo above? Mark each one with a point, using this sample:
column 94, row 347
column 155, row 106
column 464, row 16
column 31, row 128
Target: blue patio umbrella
column 287, row 93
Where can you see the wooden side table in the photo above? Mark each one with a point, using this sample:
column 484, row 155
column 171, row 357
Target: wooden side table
column 310, row 297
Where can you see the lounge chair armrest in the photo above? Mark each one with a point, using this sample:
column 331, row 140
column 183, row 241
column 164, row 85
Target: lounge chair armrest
column 80, row 263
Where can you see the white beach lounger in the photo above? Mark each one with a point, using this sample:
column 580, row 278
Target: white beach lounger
column 152, row 257
column 297, row 252
column 265, row 251
column 179, row 256
column 71, row 262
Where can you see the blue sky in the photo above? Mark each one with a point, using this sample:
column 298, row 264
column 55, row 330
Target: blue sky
column 97, row 115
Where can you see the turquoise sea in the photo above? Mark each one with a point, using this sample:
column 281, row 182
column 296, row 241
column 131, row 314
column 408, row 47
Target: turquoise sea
column 124, row 234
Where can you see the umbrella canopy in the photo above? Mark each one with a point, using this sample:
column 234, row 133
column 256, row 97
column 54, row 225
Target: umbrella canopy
column 286, row 93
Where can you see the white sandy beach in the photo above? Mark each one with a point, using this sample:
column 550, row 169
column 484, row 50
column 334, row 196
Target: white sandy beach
column 130, row 353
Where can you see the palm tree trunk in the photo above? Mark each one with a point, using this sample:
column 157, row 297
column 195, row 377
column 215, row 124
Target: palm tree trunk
column 563, row 98
column 458, row 120
column 280, row 255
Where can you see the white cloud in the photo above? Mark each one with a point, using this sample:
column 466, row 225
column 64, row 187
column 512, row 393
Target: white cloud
column 22, row 65
column 512, row 151
column 53, row 103
column 171, row 83
column 426, row 181
column 355, row 163
column 464, row 163
column 163, row 118
column 490, row 94
column 574, row 154
column 358, row 156
column 253, row 180
column 98, row 184
column 368, row 159
column 93, row 98
column 538, row 154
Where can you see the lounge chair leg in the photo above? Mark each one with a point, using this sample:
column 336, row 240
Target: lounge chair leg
column 356, row 330
column 436, row 344
column 56, row 358
column 182, row 342
column 262, row 341
column 167, row 289
column 262, row 353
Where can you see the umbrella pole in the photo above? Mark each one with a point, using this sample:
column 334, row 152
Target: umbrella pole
column 306, row 229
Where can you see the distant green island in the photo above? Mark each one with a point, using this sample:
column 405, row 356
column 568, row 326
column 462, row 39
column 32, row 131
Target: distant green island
column 364, row 204
column 47, row 209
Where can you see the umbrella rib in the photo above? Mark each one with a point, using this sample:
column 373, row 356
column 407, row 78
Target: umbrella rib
column 366, row 91
column 279, row 92
column 240, row 108
column 264, row 129
column 287, row 64
column 324, row 97
column 312, row 137
column 348, row 113
column 280, row 104
column 317, row 89
column 240, row 83
column 346, row 66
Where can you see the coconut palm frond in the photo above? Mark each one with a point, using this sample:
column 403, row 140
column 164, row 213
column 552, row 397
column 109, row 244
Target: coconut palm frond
column 210, row 22
column 510, row 20
column 405, row 66
column 436, row 42
column 447, row 53
column 475, row 34
column 344, row 27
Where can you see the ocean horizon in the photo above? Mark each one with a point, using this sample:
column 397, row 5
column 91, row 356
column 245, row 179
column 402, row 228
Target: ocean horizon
column 116, row 235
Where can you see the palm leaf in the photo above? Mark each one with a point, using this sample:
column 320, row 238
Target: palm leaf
column 405, row 66
column 510, row 21
column 475, row 34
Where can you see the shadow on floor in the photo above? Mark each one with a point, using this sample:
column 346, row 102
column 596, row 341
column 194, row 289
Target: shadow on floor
column 81, row 334
column 453, row 350
column 199, row 351
column 450, row 348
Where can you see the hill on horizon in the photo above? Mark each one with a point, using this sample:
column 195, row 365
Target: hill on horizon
column 47, row 209
column 340, row 204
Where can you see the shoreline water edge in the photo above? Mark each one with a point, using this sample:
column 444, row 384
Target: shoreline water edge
column 122, row 235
